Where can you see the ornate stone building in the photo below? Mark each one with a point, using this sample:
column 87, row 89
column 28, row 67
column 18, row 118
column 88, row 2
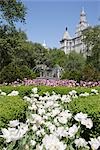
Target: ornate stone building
column 68, row 43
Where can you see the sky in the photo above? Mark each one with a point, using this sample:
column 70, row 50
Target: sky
column 47, row 19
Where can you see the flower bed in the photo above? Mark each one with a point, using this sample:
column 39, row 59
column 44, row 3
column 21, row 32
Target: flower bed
column 56, row 82
column 50, row 125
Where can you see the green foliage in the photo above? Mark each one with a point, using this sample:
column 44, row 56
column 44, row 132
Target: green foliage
column 74, row 65
column 12, row 11
column 57, row 56
column 27, row 73
column 26, row 90
column 89, row 73
column 11, row 108
column 92, row 41
column 40, row 54
column 12, row 72
column 91, row 106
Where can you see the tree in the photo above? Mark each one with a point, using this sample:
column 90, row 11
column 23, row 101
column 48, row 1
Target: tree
column 10, row 42
column 12, row 11
column 40, row 53
column 92, row 41
column 56, row 56
column 74, row 65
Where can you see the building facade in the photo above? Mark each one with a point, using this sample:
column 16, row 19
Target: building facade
column 75, row 43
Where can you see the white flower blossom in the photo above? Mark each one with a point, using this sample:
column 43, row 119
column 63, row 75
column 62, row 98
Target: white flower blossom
column 34, row 90
column 81, row 143
column 87, row 122
column 33, row 143
column 51, row 142
column 73, row 130
column 84, row 94
column 13, row 123
column 80, row 116
column 94, row 91
column 3, row 94
column 95, row 143
column 13, row 93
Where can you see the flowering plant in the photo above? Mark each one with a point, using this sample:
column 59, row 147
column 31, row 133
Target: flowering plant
column 50, row 126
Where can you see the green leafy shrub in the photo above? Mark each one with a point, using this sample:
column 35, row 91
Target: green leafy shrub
column 11, row 107
column 27, row 73
column 72, row 75
column 12, row 72
column 26, row 90
column 91, row 106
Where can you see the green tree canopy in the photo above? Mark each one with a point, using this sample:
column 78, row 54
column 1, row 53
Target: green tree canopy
column 12, row 11
column 92, row 41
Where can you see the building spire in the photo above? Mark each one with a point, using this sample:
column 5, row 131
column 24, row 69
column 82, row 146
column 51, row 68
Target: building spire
column 83, row 24
column 44, row 44
column 83, row 16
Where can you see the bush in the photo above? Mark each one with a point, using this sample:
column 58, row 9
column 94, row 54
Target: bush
column 26, row 90
column 12, row 72
column 27, row 73
column 89, row 73
column 72, row 75
column 91, row 106
column 11, row 108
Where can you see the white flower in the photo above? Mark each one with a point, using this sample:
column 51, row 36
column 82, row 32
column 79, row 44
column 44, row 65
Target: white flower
column 84, row 94
column 55, row 112
column 33, row 143
column 33, row 107
column 73, row 130
column 61, row 132
column 41, row 111
column 37, row 119
column 3, row 94
column 52, row 128
column 28, row 99
column 80, row 116
column 4, row 148
column 87, row 122
column 34, row 128
column 65, row 98
column 73, row 94
column 36, row 95
column 45, row 117
column 80, row 143
column 39, row 147
column 34, row 90
column 14, row 123
column 13, row 134
column 51, row 142
column 13, row 93
column 62, row 120
column 94, row 91
column 95, row 143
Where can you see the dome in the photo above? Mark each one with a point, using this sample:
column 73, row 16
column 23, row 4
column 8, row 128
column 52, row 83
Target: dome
column 66, row 35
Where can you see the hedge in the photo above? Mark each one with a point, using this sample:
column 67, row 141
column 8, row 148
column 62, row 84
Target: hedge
column 26, row 90
column 91, row 106
column 11, row 108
